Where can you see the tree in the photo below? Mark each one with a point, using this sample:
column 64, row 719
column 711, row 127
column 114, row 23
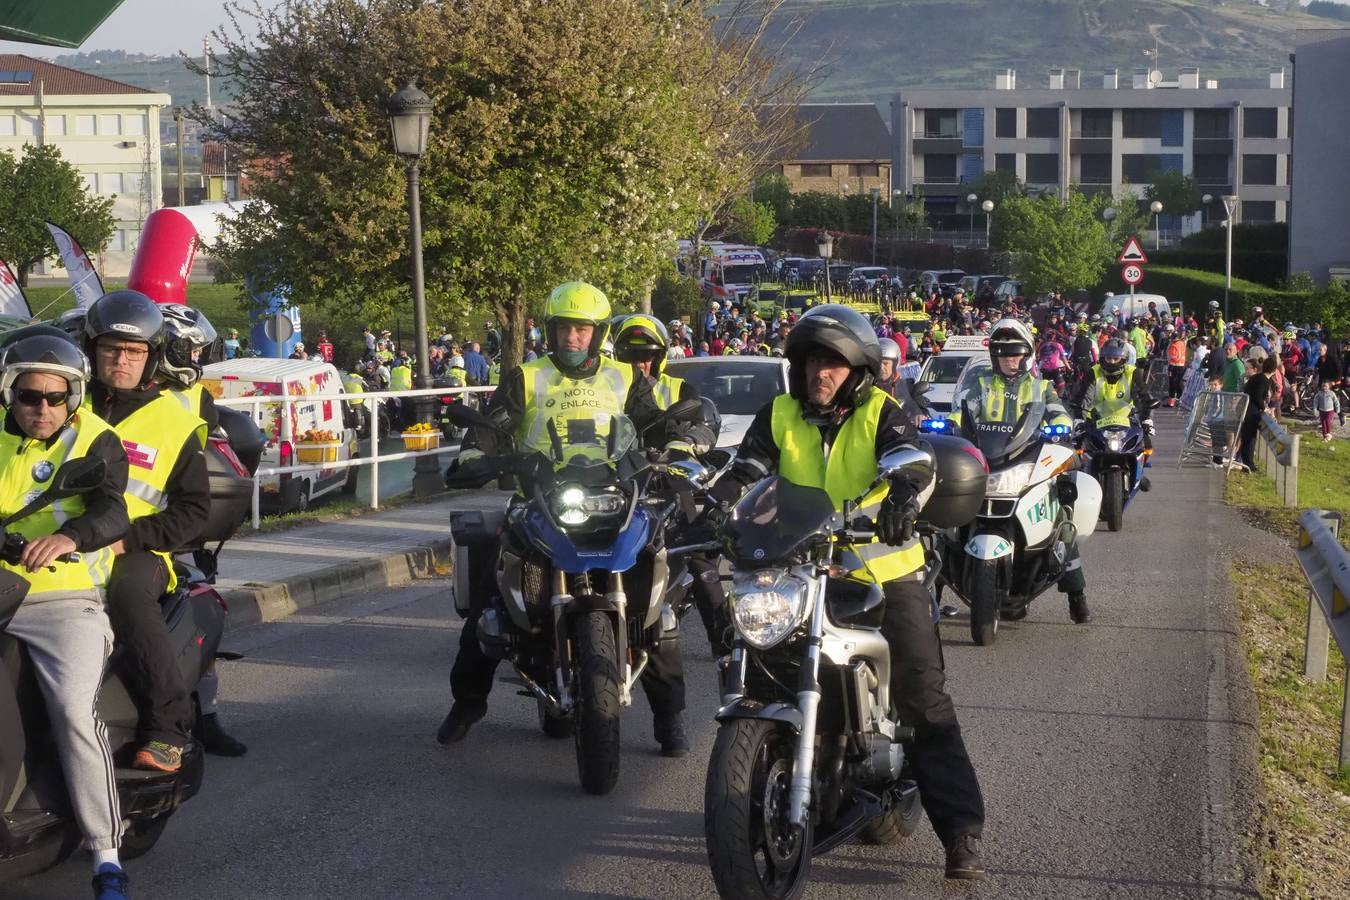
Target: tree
column 1178, row 193
column 750, row 222
column 773, row 189
column 37, row 187
column 998, row 186
column 1055, row 245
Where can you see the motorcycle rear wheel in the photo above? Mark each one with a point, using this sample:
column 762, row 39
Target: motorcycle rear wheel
column 598, row 707
column 1113, row 500
column 985, row 602
column 753, row 852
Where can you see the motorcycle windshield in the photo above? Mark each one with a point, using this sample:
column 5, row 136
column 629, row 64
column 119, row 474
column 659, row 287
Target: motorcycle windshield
column 1001, row 442
column 775, row 519
column 598, row 440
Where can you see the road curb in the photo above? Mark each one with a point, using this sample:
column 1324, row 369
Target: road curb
column 256, row 603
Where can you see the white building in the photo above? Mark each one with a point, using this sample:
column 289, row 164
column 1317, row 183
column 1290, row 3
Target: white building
column 106, row 129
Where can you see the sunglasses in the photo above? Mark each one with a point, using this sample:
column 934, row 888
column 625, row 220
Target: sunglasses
column 30, row 397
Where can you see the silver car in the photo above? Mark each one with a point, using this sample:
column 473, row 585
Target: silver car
column 739, row 386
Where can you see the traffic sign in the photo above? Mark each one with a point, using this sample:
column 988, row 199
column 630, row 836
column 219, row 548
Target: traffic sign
column 1133, row 253
column 278, row 328
column 1132, row 274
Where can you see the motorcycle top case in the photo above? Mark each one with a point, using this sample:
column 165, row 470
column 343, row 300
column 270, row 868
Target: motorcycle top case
column 962, row 476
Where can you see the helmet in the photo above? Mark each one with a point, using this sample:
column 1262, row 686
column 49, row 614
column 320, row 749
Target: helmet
column 586, row 304
column 1010, row 337
column 187, row 330
column 840, row 330
column 72, row 323
column 49, row 354
column 456, row 362
column 640, row 334
column 129, row 315
column 1169, row 328
column 736, row 344
column 890, row 350
column 1214, row 304
column 1113, row 349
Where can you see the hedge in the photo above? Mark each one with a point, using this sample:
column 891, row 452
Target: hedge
column 1265, row 267
column 920, row 255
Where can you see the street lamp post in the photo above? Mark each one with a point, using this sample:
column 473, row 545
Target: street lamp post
column 1206, row 200
column 1230, row 202
column 409, row 112
column 825, row 246
column 1156, row 207
column 988, row 207
column 876, row 195
column 970, row 206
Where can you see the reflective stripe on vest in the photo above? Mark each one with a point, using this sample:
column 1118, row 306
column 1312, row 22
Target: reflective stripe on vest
column 551, row 396
column 1029, row 390
column 844, row 471
column 22, row 459
column 1113, row 400
column 666, row 390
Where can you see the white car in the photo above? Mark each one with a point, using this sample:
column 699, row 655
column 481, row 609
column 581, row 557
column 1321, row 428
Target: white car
column 943, row 372
column 738, row 385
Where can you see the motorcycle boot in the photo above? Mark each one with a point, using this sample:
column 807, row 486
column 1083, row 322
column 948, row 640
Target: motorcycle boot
column 963, row 858
column 671, row 734
column 1078, row 609
column 462, row 716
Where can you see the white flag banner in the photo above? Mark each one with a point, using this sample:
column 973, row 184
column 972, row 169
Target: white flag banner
column 12, row 300
column 84, row 281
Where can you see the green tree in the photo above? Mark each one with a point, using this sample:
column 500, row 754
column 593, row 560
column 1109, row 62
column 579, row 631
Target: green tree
column 773, row 189
column 817, row 209
column 998, row 186
column 39, row 186
column 750, row 222
column 1128, row 217
column 1054, row 244
column 1178, row 193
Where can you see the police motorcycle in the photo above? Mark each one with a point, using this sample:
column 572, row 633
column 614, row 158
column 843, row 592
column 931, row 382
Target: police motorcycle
column 586, row 587
column 1037, row 501
column 1115, row 456
column 809, row 750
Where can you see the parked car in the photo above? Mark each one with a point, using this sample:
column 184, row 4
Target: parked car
column 946, row 280
column 739, row 386
column 864, row 278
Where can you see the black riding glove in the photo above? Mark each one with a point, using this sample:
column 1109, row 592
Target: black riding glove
column 898, row 514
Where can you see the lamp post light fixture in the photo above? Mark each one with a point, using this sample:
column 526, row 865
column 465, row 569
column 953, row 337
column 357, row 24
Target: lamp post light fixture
column 825, row 246
column 988, row 207
column 876, row 196
column 1205, row 201
column 409, row 112
column 1156, row 207
column 1230, row 202
column 970, row 207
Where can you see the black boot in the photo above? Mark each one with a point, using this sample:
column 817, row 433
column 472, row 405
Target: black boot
column 963, row 858
column 215, row 740
column 1078, row 608
column 670, row 734
column 458, row 721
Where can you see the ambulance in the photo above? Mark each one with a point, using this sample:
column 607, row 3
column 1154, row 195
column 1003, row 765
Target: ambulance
column 953, row 371
column 731, row 271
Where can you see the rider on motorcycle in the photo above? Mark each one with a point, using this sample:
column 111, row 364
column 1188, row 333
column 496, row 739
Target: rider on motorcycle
column 1114, row 395
column 62, row 620
column 530, row 397
column 999, row 400
column 829, row 431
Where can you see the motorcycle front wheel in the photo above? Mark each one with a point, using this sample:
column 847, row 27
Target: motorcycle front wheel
column 985, row 601
column 753, row 851
column 1113, row 499
column 598, row 706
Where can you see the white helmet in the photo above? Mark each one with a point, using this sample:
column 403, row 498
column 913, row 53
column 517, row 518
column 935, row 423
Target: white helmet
column 1011, row 337
column 456, row 362
column 890, row 350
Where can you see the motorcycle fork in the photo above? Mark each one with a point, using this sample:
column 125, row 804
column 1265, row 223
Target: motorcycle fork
column 562, row 651
column 808, row 701
column 619, row 598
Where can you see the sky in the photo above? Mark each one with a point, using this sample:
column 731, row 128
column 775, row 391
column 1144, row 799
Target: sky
column 178, row 25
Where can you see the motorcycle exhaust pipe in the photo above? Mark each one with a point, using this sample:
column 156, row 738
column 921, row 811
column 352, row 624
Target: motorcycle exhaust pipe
column 554, row 707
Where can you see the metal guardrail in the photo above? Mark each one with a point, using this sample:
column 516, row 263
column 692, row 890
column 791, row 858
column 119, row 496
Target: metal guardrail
column 1279, row 457
column 1326, row 565
column 256, row 404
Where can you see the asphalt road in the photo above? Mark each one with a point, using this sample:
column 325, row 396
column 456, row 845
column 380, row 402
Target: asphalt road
column 1116, row 758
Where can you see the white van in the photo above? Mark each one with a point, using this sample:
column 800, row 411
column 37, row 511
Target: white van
column 290, row 437
column 1134, row 304
column 731, row 272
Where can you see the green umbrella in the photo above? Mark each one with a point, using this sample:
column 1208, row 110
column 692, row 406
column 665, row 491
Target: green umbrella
column 63, row 24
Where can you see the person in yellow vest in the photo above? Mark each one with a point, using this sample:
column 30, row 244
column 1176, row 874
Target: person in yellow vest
column 401, row 379
column 577, row 390
column 829, row 431
column 168, row 501
column 1116, row 394
column 998, row 401
column 62, row 620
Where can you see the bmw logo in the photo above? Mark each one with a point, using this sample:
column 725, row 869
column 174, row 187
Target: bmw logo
column 759, row 554
column 42, row 470
column 548, row 404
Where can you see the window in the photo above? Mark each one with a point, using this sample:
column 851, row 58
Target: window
column 1261, row 122
column 6, row 126
column 1210, row 168
column 1212, row 124
column 939, row 168
column 1140, row 123
column 939, row 123
column 28, row 124
column 118, row 241
column 134, row 124
column 1258, row 211
column 1005, row 163
column 111, row 182
column 865, row 170
column 1005, row 122
column 1042, row 168
column 84, row 126
column 133, row 183
column 1095, row 168
column 56, row 126
column 1258, row 168
column 816, row 170
column 110, row 124
column 1043, row 123
column 1095, row 123
column 91, row 183
column 1138, row 168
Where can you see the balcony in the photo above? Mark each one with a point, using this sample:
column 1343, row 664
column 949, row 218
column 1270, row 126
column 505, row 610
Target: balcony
column 937, row 143
column 1216, row 146
column 1090, row 145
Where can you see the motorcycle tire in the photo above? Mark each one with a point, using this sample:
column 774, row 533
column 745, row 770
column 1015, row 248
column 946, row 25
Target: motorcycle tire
column 752, row 851
column 141, row 837
column 1113, row 500
column 984, row 602
column 553, row 726
column 598, row 707
column 896, row 823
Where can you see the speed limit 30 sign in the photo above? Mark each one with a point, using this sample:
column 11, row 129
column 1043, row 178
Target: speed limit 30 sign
column 1132, row 274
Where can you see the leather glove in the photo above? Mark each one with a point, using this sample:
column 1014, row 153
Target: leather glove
column 898, row 514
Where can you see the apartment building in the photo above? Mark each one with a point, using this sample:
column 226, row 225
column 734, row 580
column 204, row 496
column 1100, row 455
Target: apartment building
column 1100, row 135
column 1319, row 229
column 846, row 151
column 106, row 129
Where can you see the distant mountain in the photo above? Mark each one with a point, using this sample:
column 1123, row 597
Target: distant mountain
column 156, row 73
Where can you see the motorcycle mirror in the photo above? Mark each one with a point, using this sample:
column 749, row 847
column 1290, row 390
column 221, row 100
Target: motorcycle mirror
column 906, row 461
column 691, row 471
column 77, row 476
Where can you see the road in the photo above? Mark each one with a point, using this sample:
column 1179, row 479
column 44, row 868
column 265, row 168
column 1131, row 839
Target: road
column 1114, row 759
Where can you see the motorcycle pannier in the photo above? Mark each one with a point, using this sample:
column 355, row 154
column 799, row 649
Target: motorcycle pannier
column 471, row 530
column 961, row 479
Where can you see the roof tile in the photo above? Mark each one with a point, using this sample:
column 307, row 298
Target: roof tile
column 59, row 80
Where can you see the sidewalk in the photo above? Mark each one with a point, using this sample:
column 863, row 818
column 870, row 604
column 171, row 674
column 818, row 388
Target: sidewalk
column 266, row 577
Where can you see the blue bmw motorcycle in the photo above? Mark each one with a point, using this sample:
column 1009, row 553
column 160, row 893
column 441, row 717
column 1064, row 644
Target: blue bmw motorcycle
column 1115, row 457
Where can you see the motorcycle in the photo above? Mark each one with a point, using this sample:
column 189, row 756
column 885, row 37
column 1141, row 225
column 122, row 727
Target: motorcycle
column 809, row 750
column 1037, row 501
column 451, row 432
column 586, row 588
column 1115, row 457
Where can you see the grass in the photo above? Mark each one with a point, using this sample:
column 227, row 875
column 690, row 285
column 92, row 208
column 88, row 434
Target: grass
column 1323, row 483
column 335, row 510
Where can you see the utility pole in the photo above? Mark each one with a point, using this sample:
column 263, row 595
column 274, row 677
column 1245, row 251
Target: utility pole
column 178, row 119
column 206, row 57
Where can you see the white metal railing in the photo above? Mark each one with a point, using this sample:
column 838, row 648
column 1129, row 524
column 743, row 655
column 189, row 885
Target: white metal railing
column 256, row 403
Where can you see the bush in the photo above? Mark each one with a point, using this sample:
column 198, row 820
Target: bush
column 674, row 296
column 1267, row 267
column 857, row 248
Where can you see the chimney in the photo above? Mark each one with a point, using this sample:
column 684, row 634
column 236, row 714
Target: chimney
column 1110, row 79
column 1140, row 80
column 1006, row 80
column 1072, row 79
column 1056, row 79
column 1277, row 78
column 1189, row 78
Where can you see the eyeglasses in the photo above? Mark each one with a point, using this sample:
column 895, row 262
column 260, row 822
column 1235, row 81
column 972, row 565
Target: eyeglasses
column 30, row 397
column 112, row 351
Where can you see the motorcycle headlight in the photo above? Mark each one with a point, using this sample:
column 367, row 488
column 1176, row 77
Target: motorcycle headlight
column 573, row 505
column 1115, row 441
column 767, row 606
column 1010, row 481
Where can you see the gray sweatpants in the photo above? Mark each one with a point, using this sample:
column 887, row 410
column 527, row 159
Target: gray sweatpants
column 69, row 640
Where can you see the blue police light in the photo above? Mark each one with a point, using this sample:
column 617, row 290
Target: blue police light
column 935, row 426
column 1055, row 430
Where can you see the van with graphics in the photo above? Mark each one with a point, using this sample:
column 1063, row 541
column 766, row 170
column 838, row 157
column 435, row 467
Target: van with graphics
column 730, row 272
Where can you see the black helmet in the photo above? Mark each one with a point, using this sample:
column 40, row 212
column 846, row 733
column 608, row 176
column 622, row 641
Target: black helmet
column 840, row 330
column 1114, row 349
column 47, row 353
column 131, row 316
column 186, row 330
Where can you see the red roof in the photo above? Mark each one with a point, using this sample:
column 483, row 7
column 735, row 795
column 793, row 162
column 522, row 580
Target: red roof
column 59, row 80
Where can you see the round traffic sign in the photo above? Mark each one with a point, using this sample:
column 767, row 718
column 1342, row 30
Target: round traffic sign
column 1132, row 274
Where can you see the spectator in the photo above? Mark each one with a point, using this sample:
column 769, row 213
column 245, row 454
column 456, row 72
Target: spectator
column 231, row 343
column 1328, row 406
column 369, row 337
column 1234, row 373
column 299, row 352
column 325, row 347
column 476, row 367
column 531, row 354
column 1257, row 389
